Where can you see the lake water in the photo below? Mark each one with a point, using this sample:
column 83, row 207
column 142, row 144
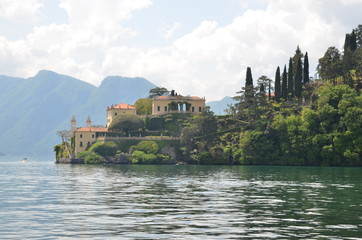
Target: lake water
column 43, row 200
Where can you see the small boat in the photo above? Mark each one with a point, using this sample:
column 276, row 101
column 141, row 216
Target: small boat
column 25, row 160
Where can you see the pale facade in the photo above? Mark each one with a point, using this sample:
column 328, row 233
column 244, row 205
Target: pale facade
column 86, row 136
column 116, row 110
column 177, row 104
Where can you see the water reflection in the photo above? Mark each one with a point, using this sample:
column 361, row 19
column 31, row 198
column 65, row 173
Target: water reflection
column 44, row 200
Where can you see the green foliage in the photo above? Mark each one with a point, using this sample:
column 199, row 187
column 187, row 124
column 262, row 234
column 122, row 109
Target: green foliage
column 149, row 147
column 61, row 151
column 204, row 158
column 277, row 85
column 330, row 65
column 306, row 69
column 158, row 91
column 249, row 77
column 125, row 123
column 93, row 158
column 290, row 87
column 284, row 92
column 104, row 149
column 298, row 79
column 143, row 106
column 155, row 123
column 139, row 157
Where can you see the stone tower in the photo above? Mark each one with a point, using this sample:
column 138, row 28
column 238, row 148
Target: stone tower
column 73, row 124
column 88, row 123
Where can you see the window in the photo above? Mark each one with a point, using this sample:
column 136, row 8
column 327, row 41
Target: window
column 200, row 109
column 158, row 108
column 165, row 108
column 88, row 144
column 115, row 114
column 193, row 109
column 92, row 135
column 81, row 144
column 81, row 135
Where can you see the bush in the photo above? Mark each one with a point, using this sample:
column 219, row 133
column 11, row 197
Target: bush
column 155, row 123
column 139, row 157
column 204, row 158
column 149, row 147
column 93, row 158
column 104, row 149
column 126, row 123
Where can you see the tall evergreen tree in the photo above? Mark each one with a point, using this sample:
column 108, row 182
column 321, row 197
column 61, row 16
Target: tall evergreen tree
column 297, row 55
column 284, row 84
column 358, row 32
column 298, row 80
column 277, row 91
column 249, row 87
column 353, row 43
column 249, row 77
column 349, row 60
column 347, row 42
column 306, row 69
column 290, row 80
column 269, row 90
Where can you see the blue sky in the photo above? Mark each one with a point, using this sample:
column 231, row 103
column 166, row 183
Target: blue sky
column 197, row 47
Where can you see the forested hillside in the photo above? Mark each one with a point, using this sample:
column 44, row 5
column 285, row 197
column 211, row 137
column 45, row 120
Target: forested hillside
column 305, row 121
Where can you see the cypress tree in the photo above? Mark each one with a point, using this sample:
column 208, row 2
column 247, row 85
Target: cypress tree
column 298, row 80
column 290, row 80
column 277, row 88
column 249, row 77
column 249, row 88
column 353, row 41
column 269, row 90
column 297, row 55
column 306, row 69
column 284, row 84
column 347, row 43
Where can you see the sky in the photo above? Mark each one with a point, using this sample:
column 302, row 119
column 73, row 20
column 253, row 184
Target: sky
column 197, row 47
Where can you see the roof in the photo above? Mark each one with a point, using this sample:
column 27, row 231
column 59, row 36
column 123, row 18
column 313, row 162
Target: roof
column 271, row 94
column 92, row 129
column 179, row 98
column 122, row 106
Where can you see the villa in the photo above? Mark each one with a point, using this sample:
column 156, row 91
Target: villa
column 86, row 136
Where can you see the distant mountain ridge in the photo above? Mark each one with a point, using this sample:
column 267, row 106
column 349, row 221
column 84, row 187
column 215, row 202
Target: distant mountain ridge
column 32, row 110
column 219, row 107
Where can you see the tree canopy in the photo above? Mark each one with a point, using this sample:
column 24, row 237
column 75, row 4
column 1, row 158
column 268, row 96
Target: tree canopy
column 143, row 106
column 125, row 123
column 158, row 91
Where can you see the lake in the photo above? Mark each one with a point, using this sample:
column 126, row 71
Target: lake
column 43, row 200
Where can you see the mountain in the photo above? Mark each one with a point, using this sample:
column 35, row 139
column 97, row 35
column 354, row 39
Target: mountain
column 34, row 109
column 218, row 107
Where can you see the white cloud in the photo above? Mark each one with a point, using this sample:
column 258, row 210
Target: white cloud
column 172, row 30
column 351, row 2
column 15, row 9
column 209, row 61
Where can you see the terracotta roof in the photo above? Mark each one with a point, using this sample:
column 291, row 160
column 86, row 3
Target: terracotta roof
column 92, row 129
column 178, row 98
column 122, row 106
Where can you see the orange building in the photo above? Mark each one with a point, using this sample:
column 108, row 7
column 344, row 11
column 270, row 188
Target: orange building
column 121, row 108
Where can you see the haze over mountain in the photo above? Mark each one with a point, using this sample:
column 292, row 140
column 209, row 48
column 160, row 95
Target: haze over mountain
column 34, row 109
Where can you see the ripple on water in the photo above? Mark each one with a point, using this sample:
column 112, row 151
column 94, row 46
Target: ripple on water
column 48, row 201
